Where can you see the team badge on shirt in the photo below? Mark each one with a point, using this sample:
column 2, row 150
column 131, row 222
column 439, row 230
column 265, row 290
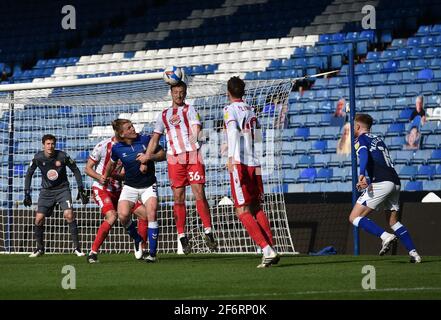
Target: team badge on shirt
column 175, row 120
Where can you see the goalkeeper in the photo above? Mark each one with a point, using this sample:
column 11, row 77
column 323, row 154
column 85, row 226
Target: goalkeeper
column 55, row 189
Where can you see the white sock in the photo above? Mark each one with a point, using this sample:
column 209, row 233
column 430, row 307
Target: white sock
column 267, row 251
column 207, row 230
column 396, row 226
column 385, row 235
column 153, row 225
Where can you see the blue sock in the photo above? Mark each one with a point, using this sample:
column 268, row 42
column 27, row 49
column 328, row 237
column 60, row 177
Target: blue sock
column 369, row 226
column 153, row 237
column 133, row 232
column 404, row 236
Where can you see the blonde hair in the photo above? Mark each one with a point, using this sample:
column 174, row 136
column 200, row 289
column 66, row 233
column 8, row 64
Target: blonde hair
column 117, row 126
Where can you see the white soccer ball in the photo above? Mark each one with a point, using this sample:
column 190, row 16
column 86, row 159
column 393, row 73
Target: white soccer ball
column 172, row 75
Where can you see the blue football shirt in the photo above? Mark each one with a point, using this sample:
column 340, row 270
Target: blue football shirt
column 127, row 153
column 379, row 165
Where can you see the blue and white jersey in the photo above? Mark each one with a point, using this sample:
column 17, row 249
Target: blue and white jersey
column 127, row 153
column 376, row 161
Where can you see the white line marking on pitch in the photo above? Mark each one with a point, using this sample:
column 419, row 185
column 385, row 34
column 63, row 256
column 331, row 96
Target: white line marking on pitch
column 313, row 292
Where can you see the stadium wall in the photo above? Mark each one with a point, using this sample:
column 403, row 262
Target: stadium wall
column 320, row 220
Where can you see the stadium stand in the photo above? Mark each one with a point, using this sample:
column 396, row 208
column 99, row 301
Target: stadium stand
column 398, row 61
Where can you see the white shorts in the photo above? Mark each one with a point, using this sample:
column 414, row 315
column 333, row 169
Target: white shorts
column 385, row 194
column 133, row 194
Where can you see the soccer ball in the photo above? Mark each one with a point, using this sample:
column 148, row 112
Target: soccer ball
column 172, row 75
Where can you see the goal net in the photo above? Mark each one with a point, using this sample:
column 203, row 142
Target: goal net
column 80, row 116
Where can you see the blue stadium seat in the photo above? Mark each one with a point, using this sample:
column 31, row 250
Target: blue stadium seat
column 305, row 161
column 430, row 88
column 432, row 141
column 417, row 53
column 420, row 64
column 287, row 161
column 391, row 66
column 401, row 53
column 435, row 157
column 321, row 160
column 437, row 172
column 379, row 78
column 413, row 90
column 323, row 175
column 319, row 146
column 428, row 41
column 395, row 129
column 372, row 56
column 405, row 113
column 420, row 156
column 423, row 31
column 413, row 42
column 426, row 172
column 301, row 134
column 307, row 175
column 431, row 185
column 425, row 75
column 408, row 172
column 414, row 186
column 433, row 52
column 394, row 78
column 82, row 156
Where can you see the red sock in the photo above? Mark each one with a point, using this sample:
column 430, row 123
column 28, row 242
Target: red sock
column 253, row 229
column 204, row 212
column 262, row 221
column 143, row 226
column 180, row 215
column 101, row 235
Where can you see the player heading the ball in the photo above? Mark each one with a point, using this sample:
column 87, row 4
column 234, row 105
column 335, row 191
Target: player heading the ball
column 243, row 131
column 181, row 124
column 381, row 188
column 55, row 189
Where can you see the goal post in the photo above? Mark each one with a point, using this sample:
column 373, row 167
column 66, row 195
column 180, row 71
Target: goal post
column 79, row 113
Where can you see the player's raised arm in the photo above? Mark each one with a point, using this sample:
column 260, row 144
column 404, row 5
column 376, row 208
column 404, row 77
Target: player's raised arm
column 28, row 199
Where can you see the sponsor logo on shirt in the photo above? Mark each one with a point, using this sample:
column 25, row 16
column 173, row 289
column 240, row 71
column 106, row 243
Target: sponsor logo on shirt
column 52, row 175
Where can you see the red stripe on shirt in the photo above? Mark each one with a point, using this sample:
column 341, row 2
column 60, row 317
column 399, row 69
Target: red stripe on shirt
column 169, row 136
column 184, row 112
column 179, row 132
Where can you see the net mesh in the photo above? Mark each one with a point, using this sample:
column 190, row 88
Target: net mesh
column 81, row 116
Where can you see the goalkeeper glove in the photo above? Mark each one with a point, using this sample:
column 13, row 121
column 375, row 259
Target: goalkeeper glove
column 27, row 199
column 83, row 195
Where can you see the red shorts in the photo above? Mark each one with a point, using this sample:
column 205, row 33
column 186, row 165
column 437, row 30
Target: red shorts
column 246, row 185
column 107, row 200
column 186, row 169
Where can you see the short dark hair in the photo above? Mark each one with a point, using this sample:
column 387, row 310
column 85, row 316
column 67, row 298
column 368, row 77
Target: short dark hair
column 365, row 119
column 48, row 137
column 181, row 84
column 236, row 87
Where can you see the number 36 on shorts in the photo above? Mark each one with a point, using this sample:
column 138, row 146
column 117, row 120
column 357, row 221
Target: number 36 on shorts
column 194, row 176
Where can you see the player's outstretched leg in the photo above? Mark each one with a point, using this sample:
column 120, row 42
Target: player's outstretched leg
column 358, row 218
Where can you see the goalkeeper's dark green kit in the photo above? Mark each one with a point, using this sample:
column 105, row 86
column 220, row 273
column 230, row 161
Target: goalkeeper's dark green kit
column 54, row 183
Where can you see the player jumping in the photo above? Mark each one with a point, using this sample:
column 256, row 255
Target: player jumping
column 245, row 171
column 106, row 197
column 182, row 125
column 55, row 189
column 381, row 186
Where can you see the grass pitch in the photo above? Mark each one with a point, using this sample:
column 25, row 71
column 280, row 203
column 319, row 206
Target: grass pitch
column 218, row 277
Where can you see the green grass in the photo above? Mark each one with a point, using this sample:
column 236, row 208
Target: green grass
column 218, row 277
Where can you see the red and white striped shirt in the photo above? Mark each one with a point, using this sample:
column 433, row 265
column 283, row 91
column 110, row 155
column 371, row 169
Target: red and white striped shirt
column 177, row 124
column 101, row 156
